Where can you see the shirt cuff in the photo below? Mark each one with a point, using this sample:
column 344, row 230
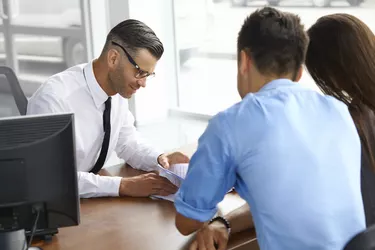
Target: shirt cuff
column 152, row 160
column 91, row 185
column 114, row 185
column 188, row 211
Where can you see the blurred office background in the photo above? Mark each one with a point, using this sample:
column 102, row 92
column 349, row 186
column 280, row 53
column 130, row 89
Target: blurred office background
column 195, row 78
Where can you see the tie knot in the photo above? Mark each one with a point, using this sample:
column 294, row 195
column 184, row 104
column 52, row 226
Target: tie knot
column 108, row 102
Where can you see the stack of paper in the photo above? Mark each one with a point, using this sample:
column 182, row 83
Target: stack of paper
column 175, row 174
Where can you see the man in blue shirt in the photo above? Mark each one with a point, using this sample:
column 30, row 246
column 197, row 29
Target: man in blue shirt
column 292, row 153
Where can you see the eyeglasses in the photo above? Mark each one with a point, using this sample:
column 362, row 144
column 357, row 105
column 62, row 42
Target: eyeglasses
column 141, row 73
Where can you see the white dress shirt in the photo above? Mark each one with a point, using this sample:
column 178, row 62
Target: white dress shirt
column 70, row 92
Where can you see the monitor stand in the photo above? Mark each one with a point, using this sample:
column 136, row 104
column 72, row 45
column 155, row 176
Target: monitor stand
column 13, row 240
column 43, row 234
column 16, row 239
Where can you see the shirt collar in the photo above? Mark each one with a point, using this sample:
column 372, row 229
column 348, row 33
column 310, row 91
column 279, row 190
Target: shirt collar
column 274, row 84
column 98, row 94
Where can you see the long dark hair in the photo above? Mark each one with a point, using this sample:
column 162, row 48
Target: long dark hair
column 341, row 60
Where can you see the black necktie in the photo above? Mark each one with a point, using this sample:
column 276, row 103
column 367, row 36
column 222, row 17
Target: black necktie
column 107, row 133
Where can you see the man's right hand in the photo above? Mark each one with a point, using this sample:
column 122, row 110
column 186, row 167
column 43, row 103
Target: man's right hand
column 145, row 185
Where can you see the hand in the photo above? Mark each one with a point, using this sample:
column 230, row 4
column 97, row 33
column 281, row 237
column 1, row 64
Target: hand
column 165, row 160
column 145, row 185
column 211, row 237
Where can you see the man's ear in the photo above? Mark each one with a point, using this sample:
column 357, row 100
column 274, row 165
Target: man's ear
column 245, row 63
column 112, row 58
column 299, row 74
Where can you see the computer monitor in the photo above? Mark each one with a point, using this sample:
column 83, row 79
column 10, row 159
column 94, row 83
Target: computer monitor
column 38, row 176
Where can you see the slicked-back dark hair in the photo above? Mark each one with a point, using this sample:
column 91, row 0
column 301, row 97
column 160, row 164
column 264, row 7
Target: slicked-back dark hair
column 134, row 35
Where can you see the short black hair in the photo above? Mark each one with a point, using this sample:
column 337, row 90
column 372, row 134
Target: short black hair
column 134, row 35
column 275, row 40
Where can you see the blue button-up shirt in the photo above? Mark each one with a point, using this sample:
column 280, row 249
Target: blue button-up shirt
column 294, row 155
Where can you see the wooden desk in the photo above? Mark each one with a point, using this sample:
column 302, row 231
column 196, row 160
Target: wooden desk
column 135, row 223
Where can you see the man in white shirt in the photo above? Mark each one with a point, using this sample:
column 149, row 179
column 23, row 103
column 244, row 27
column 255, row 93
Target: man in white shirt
column 97, row 94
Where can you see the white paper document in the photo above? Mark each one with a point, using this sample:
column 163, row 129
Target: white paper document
column 175, row 174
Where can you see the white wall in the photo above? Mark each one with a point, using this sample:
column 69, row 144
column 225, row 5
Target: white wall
column 98, row 25
column 152, row 103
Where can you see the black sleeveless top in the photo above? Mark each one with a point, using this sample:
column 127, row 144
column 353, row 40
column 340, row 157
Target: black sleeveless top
column 368, row 190
column 364, row 119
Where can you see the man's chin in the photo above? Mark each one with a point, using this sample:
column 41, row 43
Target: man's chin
column 126, row 95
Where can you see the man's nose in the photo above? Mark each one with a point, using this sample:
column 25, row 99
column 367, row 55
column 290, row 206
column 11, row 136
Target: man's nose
column 142, row 82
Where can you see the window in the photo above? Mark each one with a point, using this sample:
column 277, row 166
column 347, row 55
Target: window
column 38, row 39
column 206, row 37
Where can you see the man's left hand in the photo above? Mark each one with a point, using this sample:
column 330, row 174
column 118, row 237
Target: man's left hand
column 165, row 160
column 210, row 237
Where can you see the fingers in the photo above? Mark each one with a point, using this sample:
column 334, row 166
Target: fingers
column 222, row 245
column 162, row 186
column 154, row 172
column 200, row 240
column 185, row 159
column 208, row 240
column 166, row 184
column 161, row 192
column 178, row 157
column 163, row 161
column 222, row 241
column 182, row 157
column 194, row 246
column 166, row 190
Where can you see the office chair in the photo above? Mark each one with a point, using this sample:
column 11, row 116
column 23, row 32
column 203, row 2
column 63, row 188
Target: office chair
column 15, row 87
column 364, row 240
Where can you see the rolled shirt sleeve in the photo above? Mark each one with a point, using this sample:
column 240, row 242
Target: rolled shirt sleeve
column 211, row 173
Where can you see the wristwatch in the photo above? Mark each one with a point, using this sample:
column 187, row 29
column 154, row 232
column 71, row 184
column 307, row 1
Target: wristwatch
column 222, row 220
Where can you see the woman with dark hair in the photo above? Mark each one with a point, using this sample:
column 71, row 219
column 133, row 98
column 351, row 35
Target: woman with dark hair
column 341, row 60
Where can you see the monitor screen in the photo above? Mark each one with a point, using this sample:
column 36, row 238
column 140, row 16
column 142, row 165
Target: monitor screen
column 38, row 170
